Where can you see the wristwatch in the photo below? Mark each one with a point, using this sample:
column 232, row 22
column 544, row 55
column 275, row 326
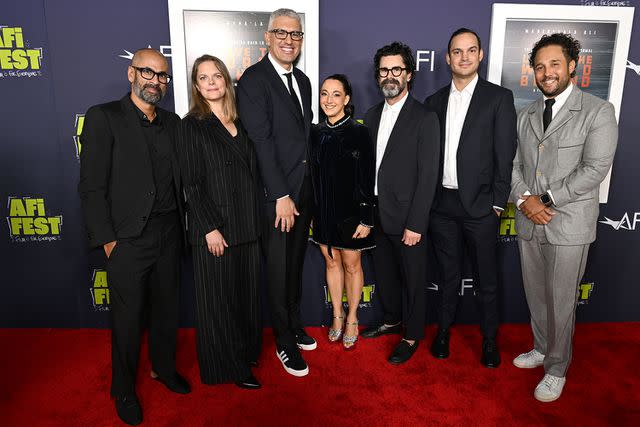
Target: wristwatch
column 546, row 200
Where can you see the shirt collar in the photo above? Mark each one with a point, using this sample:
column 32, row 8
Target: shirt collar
column 562, row 97
column 142, row 116
column 397, row 106
column 279, row 68
column 468, row 89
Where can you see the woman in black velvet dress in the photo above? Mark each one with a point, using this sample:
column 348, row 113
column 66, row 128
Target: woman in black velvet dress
column 342, row 166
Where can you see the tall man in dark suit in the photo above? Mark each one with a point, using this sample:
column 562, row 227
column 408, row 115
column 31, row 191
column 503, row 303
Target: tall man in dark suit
column 130, row 192
column 274, row 101
column 478, row 138
column 407, row 149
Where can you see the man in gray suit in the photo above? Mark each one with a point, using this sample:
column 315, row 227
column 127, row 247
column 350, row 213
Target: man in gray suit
column 566, row 143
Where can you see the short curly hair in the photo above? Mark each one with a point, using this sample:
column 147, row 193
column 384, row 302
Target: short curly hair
column 396, row 48
column 570, row 48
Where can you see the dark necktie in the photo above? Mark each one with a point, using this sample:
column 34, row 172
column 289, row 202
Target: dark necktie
column 548, row 113
column 292, row 92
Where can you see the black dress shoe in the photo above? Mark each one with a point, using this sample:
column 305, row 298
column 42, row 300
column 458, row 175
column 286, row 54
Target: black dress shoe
column 440, row 345
column 376, row 331
column 253, row 363
column 250, row 383
column 403, row 352
column 176, row 383
column 490, row 353
column 129, row 410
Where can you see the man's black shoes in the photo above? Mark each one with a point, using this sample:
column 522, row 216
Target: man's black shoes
column 250, row 383
column 175, row 383
column 490, row 353
column 440, row 345
column 376, row 331
column 129, row 410
column 403, row 352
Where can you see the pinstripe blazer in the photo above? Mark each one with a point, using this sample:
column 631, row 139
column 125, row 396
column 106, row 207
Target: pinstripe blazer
column 219, row 179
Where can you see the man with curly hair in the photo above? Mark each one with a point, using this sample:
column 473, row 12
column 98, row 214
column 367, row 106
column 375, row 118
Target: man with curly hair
column 566, row 144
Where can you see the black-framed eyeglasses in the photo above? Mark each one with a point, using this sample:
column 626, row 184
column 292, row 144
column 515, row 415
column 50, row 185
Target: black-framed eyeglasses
column 282, row 34
column 148, row 74
column 395, row 71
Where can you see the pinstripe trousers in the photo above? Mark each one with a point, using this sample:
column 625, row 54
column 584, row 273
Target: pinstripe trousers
column 228, row 328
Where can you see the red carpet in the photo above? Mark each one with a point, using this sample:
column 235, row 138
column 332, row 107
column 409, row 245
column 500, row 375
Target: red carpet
column 54, row 377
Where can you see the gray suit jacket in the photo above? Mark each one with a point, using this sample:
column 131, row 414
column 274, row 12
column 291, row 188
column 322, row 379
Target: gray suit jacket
column 571, row 159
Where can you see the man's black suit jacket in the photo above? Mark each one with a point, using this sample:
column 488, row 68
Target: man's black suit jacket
column 220, row 181
column 409, row 169
column 117, row 188
column 276, row 127
column 486, row 148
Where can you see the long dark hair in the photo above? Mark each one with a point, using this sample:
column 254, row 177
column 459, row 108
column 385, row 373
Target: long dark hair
column 349, row 109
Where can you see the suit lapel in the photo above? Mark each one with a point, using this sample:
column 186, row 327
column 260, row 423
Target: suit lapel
column 397, row 127
column 574, row 102
column 472, row 112
column 535, row 119
column 132, row 121
column 280, row 88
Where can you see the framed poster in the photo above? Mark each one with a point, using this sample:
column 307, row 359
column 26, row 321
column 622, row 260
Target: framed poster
column 604, row 34
column 234, row 32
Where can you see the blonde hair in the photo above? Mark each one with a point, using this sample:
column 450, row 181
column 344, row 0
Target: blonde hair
column 199, row 107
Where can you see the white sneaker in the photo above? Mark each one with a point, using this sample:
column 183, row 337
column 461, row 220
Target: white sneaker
column 529, row 360
column 550, row 388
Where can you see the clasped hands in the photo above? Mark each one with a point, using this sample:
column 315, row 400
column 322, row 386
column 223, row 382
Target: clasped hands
column 535, row 210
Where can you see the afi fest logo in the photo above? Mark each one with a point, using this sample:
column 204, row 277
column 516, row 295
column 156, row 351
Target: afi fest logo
column 584, row 292
column 627, row 222
column 164, row 50
column 78, row 131
column 100, row 290
column 633, row 67
column 365, row 299
column 507, row 231
column 17, row 58
column 29, row 222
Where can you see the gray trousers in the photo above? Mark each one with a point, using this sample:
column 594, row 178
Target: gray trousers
column 551, row 275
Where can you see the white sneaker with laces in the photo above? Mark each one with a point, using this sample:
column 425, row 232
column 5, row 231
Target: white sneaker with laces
column 529, row 360
column 550, row 388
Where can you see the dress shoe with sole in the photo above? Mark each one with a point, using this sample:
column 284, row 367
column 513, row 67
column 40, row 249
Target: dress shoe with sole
column 129, row 410
column 440, row 345
column 175, row 383
column 250, row 383
column 490, row 353
column 377, row 331
column 403, row 352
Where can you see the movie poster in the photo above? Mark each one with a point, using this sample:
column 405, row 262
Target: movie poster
column 237, row 38
column 594, row 70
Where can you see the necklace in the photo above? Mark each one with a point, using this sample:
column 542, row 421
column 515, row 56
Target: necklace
column 339, row 123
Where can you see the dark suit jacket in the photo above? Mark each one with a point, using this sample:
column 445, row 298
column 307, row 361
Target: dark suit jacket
column 116, row 186
column 275, row 126
column 486, row 148
column 409, row 169
column 219, row 178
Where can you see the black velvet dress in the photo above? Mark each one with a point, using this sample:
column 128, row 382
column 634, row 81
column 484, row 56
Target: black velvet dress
column 342, row 170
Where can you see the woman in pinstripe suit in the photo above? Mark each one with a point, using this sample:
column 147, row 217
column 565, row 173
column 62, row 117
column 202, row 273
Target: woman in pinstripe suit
column 219, row 173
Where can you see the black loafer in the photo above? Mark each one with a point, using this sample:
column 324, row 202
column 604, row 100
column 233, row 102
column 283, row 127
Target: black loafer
column 440, row 345
column 377, row 331
column 250, row 383
column 176, row 383
column 129, row 410
column 490, row 353
column 403, row 352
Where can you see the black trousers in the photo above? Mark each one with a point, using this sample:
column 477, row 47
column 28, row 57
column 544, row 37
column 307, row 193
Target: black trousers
column 401, row 269
column 450, row 228
column 144, row 271
column 228, row 328
column 285, row 258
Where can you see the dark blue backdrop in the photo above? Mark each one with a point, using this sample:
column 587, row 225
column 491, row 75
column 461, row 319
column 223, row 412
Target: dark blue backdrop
column 53, row 280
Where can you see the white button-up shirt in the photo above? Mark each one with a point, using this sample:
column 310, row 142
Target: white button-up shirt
column 387, row 122
column 456, row 113
column 282, row 72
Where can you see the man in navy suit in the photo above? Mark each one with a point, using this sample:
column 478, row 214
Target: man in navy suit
column 274, row 101
column 478, row 139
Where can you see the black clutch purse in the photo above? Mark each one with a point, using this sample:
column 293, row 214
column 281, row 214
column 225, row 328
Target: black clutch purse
column 347, row 227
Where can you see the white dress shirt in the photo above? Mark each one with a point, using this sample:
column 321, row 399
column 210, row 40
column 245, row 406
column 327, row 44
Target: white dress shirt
column 457, row 108
column 387, row 122
column 282, row 72
column 561, row 99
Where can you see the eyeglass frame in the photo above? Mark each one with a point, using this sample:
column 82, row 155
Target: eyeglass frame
column 168, row 76
column 390, row 70
column 287, row 34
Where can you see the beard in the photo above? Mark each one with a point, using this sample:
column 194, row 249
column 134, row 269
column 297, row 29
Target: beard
column 392, row 87
column 143, row 93
column 562, row 85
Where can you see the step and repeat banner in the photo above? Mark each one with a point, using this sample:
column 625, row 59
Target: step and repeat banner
column 57, row 58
